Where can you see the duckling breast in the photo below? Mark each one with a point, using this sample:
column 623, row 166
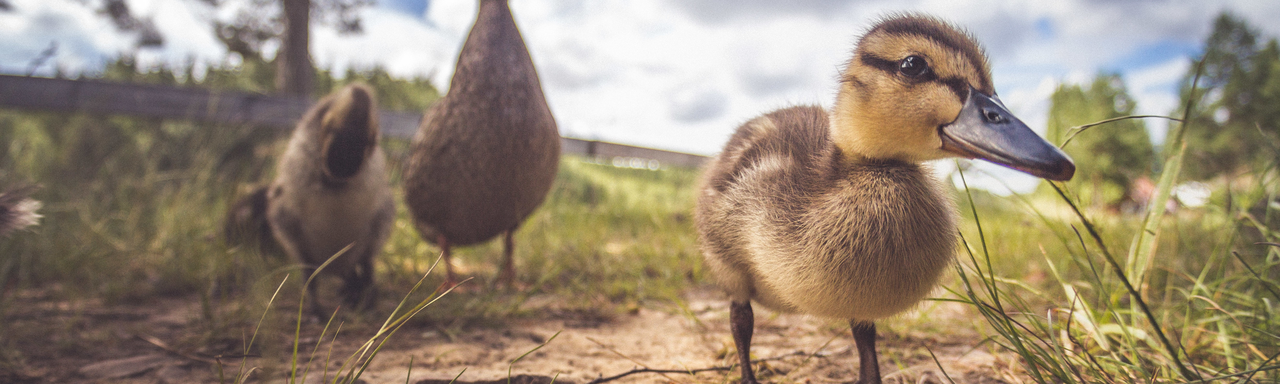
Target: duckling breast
column 872, row 248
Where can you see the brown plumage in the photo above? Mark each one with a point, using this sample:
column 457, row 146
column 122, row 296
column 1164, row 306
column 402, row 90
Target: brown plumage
column 331, row 191
column 486, row 154
column 246, row 224
column 831, row 213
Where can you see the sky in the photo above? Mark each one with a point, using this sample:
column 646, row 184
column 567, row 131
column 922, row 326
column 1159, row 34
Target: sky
column 683, row 74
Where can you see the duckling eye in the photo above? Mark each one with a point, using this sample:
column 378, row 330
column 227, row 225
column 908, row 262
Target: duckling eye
column 913, row 66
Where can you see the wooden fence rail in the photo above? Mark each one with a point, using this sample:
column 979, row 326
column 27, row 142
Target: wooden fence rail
column 232, row 107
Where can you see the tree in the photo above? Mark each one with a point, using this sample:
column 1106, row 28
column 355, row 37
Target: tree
column 295, row 75
column 118, row 12
column 288, row 22
column 1109, row 158
column 256, row 24
column 1237, row 101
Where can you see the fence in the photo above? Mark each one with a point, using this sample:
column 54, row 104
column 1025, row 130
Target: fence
column 232, row 107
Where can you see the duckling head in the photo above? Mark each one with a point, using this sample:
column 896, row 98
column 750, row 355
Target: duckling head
column 350, row 129
column 919, row 89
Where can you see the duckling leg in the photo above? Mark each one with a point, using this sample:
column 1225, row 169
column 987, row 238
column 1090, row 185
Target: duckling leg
column 358, row 290
column 508, row 273
column 864, row 335
column 319, row 312
column 450, row 279
column 742, row 322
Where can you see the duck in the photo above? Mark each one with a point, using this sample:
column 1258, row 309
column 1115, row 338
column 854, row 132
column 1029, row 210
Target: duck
column 835, row 212
column 331, row 193
column 486, row 154
column 245, row 224
column 18, row 210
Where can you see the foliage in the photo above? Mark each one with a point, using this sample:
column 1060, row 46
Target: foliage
column 397, row 94
column 245, row 27
column 1241, row 103
column 1109, row 160
column 257, row 76
column 1207, row 315
column 257, row 24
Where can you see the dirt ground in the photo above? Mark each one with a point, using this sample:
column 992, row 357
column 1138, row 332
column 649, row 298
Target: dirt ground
column 87, row 342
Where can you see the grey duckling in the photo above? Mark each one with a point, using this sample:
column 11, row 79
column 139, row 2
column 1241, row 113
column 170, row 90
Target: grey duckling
column 487, row 153
column 831, row 212
column 331, row 191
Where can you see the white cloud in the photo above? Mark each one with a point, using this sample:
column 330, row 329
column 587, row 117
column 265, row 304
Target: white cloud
column 401, row 44
column 81, row 37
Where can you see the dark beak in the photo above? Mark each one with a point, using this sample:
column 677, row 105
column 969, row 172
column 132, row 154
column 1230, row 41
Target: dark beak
column 986, row 130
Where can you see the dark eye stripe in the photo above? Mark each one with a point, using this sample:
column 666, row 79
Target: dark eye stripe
column 892, row 67
column 958, row 85
column 880, row 63
column 947, row 38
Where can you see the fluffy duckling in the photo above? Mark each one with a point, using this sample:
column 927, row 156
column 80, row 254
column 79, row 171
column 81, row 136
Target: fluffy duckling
column 831, row 213
column 246, row 224
column 486, row 154
column 331, row 191
column 17, row 211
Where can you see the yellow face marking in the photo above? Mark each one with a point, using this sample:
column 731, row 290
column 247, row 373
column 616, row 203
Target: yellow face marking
column 882, row 113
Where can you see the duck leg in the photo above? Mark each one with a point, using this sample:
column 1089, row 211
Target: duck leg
column 741, row 324
column 450, row 279
column 508, row 273
column 864, row 335
column 317, row 310
column 358, row 290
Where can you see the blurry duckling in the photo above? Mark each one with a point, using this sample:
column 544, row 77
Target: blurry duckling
column 246, row 224
column 331, row 192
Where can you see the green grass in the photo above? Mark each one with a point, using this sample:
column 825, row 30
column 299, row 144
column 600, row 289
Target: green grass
column 605, row 239
column 133, row 210
column 1096, row 296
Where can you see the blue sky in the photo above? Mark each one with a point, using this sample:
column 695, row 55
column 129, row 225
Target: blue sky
column 682, row 74
column 412, row 8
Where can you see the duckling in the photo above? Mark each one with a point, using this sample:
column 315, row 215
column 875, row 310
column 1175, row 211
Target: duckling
column 831, row 212
column 331, row 191
column 486, row 154
column 246, row 224
column 17, row 210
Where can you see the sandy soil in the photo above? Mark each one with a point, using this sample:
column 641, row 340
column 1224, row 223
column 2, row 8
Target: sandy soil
column 86, row 342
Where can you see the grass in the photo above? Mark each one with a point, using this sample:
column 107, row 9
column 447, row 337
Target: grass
column 132, row 215
column 133, row 209
column 1193, row 299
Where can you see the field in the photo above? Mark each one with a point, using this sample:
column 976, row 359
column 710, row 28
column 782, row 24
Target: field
column 127, row 278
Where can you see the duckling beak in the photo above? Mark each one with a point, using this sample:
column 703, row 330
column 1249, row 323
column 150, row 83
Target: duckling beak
column 986, row 130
